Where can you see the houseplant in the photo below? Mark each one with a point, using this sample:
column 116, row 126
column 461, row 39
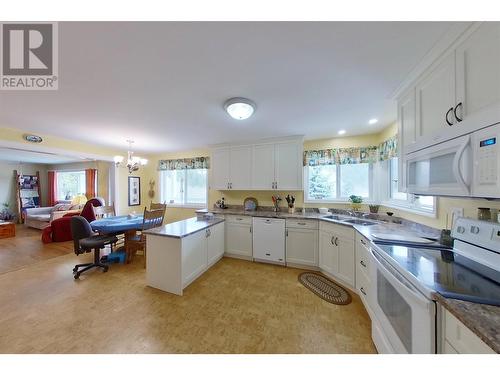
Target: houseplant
column 356, row 201
column 374, row 208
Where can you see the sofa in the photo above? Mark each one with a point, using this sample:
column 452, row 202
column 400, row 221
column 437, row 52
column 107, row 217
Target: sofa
column 41, row 217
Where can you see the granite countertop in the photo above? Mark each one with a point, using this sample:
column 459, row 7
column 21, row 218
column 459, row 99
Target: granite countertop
column 183, row 228
column 483, row 320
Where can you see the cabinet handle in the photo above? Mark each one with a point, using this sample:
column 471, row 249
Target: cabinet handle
column 336, row 241
column 362, row 291
column 276, row 185
column 286, row 233
column 363, row 242
column 239, row 218
column 332, row 240
column 268, row 254
column 362, row 263
column 455, row 111
column 446, row 117
column 301, row 223
column 250, row 229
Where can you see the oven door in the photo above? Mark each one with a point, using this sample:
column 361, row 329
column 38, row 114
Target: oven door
column 443, row 169
column 406, row 318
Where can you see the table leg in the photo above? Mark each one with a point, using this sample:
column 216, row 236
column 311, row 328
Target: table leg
column 128, row 251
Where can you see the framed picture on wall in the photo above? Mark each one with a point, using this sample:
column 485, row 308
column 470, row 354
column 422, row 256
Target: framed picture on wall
column 134, row 191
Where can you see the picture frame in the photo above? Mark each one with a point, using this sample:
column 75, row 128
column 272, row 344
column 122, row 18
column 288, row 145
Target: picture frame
column 134, row 191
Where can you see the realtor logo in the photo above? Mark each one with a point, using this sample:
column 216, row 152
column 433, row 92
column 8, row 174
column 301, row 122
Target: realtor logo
column 28, row 56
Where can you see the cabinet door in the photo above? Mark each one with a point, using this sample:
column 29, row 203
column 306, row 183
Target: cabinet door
column 302, row 246
column 478, row 70
column 435, row 95
column 220, row 169
column 288, row 166
column 328, row 253
column 240, row 168
column 239, row 239
column 194, row 256
column 263, row 167
column 407, row 133
column 215, row 243
column 346, row 269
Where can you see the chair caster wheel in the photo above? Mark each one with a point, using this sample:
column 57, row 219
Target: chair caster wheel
column 75, row 269
column 77, row 276
column 105, row 269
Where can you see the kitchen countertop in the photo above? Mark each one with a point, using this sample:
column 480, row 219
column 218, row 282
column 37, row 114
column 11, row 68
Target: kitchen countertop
column 483, row 320
column 183, row 228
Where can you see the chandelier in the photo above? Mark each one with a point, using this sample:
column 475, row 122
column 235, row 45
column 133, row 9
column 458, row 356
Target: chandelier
column 133, row 162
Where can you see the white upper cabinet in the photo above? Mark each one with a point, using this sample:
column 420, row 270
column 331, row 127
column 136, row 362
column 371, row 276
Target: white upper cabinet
column 240, row 167
column 407, row 131
column 288, row 166
column 220, row 169
column 478, row 70
column 435, row 95
column 260, row 166
column 263, row 167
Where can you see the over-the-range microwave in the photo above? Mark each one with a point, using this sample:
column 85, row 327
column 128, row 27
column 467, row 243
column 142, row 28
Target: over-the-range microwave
column 465, row 166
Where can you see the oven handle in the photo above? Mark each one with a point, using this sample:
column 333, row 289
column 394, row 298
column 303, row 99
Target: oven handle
column 456, row 165
column 398, row 279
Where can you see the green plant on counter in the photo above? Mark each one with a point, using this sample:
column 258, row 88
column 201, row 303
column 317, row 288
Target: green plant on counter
column 374, row 208
column 356, row 201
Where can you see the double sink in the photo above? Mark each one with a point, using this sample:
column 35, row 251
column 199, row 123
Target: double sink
column 353, row 221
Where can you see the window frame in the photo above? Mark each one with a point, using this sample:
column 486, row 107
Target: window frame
column 409, row 204
column 57, row 171
column 161, row 177
column 338, row 199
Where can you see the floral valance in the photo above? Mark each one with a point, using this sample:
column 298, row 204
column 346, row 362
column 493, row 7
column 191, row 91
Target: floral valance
column 388, row 149
column 352, row 155
column 188, row 163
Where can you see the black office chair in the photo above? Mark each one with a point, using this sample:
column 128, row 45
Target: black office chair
column 84, row 241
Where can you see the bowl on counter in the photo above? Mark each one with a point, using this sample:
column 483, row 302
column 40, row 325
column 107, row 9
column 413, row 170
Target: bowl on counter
column 323, row 210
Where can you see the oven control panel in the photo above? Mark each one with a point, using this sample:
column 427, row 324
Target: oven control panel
column 477, row 232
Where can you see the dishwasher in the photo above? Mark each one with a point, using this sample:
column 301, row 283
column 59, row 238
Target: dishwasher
column 269, row 240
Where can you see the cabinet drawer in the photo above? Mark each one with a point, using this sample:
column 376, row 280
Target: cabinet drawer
column 239, row 219
column 462, row 338
column 7, row 230
column 363, row 286
column 339, row 230
column 362, row 254
column 304, row 224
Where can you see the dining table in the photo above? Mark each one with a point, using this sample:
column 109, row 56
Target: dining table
column 126, row 224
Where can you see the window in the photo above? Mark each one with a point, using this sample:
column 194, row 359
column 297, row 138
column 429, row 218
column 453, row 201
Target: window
column 184, row 187
column 70, row 184
column 338, row 182
column 425, row 204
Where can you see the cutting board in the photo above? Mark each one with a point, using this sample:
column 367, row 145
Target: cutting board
column 400, row 238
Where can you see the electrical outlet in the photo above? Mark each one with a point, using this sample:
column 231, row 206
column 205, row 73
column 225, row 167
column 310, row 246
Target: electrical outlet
column 455, row 213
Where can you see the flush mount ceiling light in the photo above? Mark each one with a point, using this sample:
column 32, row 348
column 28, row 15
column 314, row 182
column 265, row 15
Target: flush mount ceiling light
column 341, row 132
column 372, row 121
column 239, row 108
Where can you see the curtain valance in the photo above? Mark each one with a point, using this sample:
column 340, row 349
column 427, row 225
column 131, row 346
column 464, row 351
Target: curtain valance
column 352, row 155
column 187, row 163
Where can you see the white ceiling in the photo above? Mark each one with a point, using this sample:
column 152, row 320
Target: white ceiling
column 24, row 156
column 164, row 84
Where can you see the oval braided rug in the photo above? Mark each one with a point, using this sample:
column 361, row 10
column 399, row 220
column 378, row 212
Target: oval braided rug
column 325, row 288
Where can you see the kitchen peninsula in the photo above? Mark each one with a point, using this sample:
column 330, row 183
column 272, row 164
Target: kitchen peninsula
column 178, row 253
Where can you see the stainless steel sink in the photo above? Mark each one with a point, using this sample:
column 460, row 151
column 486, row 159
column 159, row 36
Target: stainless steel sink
column 334, row 217
column 359, row 222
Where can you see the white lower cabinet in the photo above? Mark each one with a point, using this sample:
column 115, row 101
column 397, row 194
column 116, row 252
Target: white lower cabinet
column 337, row 252
column 363, row 272
column 269, row 240
column 215, row 243
column 302, row 243
column 458, row 339
column 239, row 240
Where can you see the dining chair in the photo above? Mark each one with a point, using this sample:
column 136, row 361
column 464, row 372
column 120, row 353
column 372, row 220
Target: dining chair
column 104, row 211
column 158, row 206
column 151, row 219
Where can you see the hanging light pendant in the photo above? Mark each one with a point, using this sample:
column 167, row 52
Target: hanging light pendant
column 133, row 162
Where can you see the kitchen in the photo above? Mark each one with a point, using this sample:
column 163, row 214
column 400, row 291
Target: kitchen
column 445, row 148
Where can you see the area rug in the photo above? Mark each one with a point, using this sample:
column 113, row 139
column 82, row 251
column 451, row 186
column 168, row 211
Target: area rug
column 325, row 288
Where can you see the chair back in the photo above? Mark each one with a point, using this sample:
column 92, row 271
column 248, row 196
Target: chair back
column 152, row 218
column 104, row 211
column 80, row 229
column 157, row 206
column 88, row 209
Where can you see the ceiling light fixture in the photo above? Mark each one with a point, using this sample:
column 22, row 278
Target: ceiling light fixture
column 373, row 121
column 341, row 132
column 133, row 162
column 239, row 108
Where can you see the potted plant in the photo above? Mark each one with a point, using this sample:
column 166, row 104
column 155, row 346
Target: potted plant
column 356, row 201
column 374, row 208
